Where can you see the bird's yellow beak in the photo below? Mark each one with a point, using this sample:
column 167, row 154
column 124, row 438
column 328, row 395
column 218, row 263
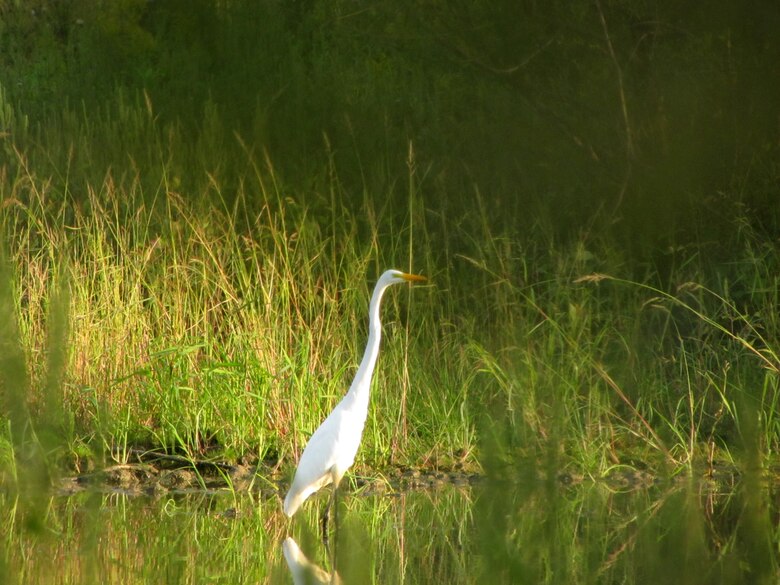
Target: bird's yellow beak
column 413, row 277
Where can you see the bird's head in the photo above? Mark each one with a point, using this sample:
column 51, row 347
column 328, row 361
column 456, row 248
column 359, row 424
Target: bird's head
column 396, row 277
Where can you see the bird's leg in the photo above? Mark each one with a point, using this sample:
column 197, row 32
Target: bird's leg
column 325, row 537
column 326, row 514
column 325, row 520
column 335, row 505
column 324, row 524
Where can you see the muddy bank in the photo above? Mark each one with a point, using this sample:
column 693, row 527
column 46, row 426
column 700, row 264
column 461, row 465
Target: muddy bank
column 156, row 474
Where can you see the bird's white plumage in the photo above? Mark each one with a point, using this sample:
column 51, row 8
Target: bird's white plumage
column 332, row 448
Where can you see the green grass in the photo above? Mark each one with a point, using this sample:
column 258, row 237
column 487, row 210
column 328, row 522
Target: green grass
column 222, row 327
column 198, row 282
column 193, row 212
column 215, row 328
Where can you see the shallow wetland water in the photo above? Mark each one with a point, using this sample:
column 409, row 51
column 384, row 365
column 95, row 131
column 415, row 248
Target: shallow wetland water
column 423, row 529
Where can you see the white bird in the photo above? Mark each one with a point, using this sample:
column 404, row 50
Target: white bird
column 331, row 449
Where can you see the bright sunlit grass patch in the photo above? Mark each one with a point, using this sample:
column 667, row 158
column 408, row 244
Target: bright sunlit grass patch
column 229, row 319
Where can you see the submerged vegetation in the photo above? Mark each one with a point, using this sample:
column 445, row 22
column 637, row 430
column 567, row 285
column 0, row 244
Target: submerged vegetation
column 191, row 228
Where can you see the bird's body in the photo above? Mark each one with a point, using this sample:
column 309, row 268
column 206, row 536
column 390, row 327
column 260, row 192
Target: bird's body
column 329, row 453
column 332, row 448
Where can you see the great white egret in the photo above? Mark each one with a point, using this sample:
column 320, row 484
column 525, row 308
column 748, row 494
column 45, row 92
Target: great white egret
column 331, row 449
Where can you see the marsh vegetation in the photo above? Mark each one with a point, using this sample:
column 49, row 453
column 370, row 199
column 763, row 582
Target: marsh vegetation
column 194, row 210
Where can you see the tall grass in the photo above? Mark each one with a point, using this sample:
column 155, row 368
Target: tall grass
column 222, row 310
column 195, row 327
column 612, row 371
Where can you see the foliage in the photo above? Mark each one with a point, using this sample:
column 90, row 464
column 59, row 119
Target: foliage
column 194, row 209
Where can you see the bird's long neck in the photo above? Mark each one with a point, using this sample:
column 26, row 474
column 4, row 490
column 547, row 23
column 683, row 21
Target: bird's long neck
column 359, row 390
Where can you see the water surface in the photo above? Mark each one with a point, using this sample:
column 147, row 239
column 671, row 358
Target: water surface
column 541, row 532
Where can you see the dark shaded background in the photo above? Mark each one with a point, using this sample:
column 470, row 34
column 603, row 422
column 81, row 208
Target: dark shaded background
column 658, row 118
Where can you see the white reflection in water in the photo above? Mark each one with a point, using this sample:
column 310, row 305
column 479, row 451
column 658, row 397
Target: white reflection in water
column 303, row 571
